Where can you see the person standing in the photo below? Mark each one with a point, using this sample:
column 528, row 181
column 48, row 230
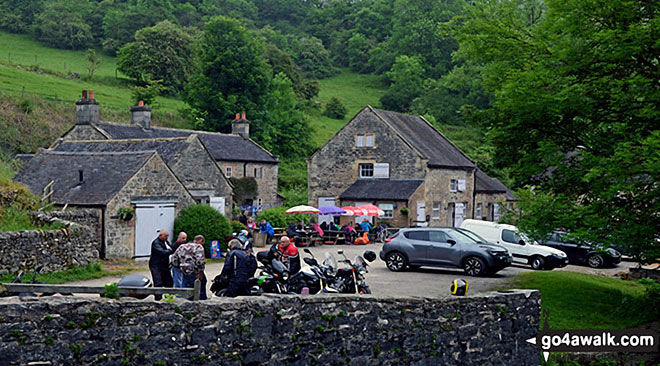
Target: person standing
column 159, row 261
column 267, row 228
column 238, row 269
column 189, row 259
column 177, row 277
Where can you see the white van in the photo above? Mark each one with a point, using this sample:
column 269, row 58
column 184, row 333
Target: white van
column 520, row 247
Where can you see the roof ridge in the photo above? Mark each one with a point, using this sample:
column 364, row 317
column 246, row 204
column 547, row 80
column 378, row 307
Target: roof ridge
column 99, row 153
column 157, row 139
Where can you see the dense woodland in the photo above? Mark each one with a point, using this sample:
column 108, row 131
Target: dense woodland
column 564, row 92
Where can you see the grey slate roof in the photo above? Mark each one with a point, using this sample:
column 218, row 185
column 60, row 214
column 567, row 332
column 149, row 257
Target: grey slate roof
column 104, row 174
column 166, row 148
column 381, row 189
column 221, row 146
column 486, row 184
column 426, row 139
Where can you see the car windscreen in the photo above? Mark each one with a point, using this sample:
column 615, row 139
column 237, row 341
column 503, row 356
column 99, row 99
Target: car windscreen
column 472, row 235
column 461, row 238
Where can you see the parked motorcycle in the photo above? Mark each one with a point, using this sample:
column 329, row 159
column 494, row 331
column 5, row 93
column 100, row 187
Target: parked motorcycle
column 19, row 279
column 351, row 279
column 133, row 280
column 317, row 278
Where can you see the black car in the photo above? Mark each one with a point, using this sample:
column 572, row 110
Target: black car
column 582, row 253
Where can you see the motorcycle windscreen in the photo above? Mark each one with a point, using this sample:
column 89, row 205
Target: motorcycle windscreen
column 330, row 260
column 278, row 266
column 360, row 262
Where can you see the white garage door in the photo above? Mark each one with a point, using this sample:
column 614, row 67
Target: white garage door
column 218, row 203
column 149, row 218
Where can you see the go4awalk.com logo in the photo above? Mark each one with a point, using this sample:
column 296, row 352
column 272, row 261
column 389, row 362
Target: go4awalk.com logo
column 595, row 340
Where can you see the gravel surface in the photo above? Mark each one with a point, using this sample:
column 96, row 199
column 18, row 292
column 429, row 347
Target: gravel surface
column 426, row 281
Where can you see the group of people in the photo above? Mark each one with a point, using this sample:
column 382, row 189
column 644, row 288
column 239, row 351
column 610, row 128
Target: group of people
column 180, row 263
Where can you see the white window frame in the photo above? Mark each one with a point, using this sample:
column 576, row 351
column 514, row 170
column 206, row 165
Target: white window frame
column 436, row 210
column 453, row 185
column 229, row 172
column 359, row 140
column 368, row 137
column 381, row 170
column 363, row 167
column 388, row 209
column 461, row 185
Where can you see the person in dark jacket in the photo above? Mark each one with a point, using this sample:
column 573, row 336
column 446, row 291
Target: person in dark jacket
column 324, row 226
column 243, row 219
column 238, row 269
column 159, row 262
column 284, row 251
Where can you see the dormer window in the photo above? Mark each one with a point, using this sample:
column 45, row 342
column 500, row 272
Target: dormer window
column 364, row 140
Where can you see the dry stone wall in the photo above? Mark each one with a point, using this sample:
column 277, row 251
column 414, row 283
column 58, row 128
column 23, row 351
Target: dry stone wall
column 488, row 329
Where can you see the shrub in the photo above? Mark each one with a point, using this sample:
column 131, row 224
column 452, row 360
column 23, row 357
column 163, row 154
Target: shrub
column 203, row 220
column 237, row 226
column 275, row 216
column 335, row 109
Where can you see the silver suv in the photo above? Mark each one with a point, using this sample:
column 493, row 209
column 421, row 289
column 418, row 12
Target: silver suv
column 443, row 247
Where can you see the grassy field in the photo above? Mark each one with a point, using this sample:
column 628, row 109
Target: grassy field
column 6, row 172
column 354, row 91
column 583, row 301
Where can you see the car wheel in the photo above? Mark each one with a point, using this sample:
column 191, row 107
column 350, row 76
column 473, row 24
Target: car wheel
column 595, row 261
column 537, row 263
column 396, row 261
column 474, row 266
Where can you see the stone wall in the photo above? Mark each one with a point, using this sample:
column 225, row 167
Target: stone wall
column 488, row 329
column 486, row 200
column 91, row 218
column 83, row 132
column 266, row 185
column 334, row 167
column 438, row 190
column 55, row 250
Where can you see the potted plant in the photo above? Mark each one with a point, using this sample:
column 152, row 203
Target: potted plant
column 126, row 213
column 404, row 211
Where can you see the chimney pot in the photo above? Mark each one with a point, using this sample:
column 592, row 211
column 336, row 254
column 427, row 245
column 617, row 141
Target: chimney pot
column 91, row 94
column 141, row 103
column 243, row 116
column 84, row 94
column 238, row 116
column 141, row 115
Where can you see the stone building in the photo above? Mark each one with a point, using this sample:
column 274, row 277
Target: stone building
column 400, row 163
column 135, row 192
column 235, row 154
column 187, row 157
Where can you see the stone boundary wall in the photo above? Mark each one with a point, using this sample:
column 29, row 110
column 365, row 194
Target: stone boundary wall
column 85, row 217
column 55, row 250
column 638, row 273
column 488, row 329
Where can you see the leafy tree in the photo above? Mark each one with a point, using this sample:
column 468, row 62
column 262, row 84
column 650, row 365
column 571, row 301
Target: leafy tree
column 121, row 23
column 358, row 53
column 94, row 62
column 407, row 76
column 62, row 25
column 576, row 107
column 148, row 92
column 313, row 58
column 17, row 16
column 335, row 109
column 161, row 52
column 203, row 220
column 232, row 75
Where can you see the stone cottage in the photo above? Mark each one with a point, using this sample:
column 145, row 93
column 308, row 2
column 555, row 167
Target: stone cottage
column 400, row 163
column 186, row 156
column 135, row 193
column 235, row 154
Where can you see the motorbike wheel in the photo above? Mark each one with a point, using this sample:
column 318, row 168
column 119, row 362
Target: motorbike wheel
column 364, row 290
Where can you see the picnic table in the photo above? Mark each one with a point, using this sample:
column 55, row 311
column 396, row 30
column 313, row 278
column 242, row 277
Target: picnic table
column 334, row 237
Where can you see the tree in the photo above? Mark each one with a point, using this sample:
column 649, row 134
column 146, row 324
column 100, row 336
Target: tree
column 335, row 109
column 17, row 16
column 162, row 52
column 122, row 21
column 62, row 25
column 203, row 220
column 232, row 75
column 576, row 107
column 94, row 62
column 358, row 53
column 407, row 76
column 313, row 58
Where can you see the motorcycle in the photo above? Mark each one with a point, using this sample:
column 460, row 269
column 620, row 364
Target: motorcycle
column 19, row 279
column 351, row 279
column 316, row 277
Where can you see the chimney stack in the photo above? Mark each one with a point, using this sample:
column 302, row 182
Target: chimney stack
column 141, row 116
column 240, row 126
column 87, row 109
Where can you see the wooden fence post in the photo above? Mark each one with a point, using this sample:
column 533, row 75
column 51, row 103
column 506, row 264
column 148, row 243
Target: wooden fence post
column 197, row 288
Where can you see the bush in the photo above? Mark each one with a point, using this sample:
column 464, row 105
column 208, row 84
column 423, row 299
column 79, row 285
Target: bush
column 237, row 226
column 275, row 216
column 204, row 220
column 335, row 109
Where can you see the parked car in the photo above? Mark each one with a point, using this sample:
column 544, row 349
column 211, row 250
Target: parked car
column 582, row 253
column 442, row 247
column 521, row 248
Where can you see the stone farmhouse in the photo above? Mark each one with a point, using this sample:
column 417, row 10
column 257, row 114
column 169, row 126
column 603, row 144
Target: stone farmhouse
column 404, row 165
column 235, row 154
column 112, row 182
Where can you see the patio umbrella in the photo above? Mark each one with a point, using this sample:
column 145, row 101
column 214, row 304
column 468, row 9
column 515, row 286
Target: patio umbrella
column 302, row 209
column 353, row 211
column 331, row 210
column 372, row 210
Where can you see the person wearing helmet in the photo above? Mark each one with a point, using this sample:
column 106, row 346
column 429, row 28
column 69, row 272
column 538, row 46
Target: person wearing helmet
column 238, row 269
column 244, row 237
column 285, row 251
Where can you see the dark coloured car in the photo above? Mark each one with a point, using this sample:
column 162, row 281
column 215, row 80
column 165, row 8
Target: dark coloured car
column 582, row 253
column 443, row 247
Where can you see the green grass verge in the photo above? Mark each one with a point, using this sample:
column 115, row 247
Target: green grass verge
column 583, row 301
column 88, row 272
column 6, row 172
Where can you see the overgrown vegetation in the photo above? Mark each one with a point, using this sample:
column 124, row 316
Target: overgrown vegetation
column 583, row 301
